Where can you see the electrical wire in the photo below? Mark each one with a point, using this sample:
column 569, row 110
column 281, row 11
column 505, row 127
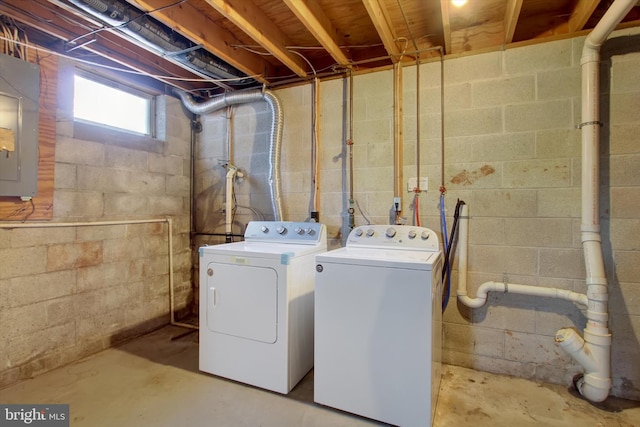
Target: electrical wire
column 134, row 72
column 111, row 27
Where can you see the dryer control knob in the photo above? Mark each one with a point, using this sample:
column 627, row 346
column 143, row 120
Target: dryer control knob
column 370, row 232
column 299, row 230
column 425, row 235
column 281, row 230
column 390, row 232
column 359, row 232
column 412, row 234
column 264, row 229
column 311, row 231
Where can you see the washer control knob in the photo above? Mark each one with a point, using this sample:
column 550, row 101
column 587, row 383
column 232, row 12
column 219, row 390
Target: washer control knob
column 390, row 232
column 412, row 234
column 425, row 235
column 311, row 231
column 370, row 232
column 359, row 232
column 281, row 229
column 264, row 229
column 299, row 230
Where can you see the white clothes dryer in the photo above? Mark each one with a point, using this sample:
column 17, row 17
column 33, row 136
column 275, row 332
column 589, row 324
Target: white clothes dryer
column 256, row 304
column 378, row 325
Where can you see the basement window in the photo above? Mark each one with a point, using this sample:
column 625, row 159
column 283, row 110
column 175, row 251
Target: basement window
column 107, row 103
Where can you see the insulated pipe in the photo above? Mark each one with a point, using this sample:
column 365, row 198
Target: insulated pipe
column 275, row 139
column 121, row 222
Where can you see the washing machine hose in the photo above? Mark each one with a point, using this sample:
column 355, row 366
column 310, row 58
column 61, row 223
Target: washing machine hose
column 446, row 268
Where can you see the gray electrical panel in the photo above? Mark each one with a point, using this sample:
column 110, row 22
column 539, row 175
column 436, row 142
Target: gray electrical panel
column 19, row 95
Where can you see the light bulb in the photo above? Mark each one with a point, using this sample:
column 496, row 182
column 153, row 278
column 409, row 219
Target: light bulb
column 458, row 3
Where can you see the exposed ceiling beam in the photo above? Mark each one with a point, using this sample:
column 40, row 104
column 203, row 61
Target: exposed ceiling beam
column 380, row 18
column 511, row 19
column 248, row 17
column 46, row 18
column 446, row 25
column 311, row 15
column 581, row 14
column 194, row 25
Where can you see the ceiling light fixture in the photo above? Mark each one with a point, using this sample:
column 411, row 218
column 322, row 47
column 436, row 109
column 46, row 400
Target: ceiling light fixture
column 459, row 3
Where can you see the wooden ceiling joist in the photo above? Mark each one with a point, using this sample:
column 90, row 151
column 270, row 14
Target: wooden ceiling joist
column 311, row 15
column 248, row 17
column 581, row 14
column 511, row 19
column 380, row 18
column 446, row 25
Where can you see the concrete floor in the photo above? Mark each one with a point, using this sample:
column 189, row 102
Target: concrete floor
column 154, row 381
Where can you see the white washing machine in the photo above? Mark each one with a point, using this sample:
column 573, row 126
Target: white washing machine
column 256, row 304
column 378, row 325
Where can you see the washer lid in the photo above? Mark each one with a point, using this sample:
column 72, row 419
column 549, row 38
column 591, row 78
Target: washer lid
column 390, row 258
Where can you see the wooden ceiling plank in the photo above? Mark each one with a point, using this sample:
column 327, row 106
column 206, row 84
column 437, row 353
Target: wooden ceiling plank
column 380, row 18
column 311, row 15
column 581, row 13
column 248, row 18
column 511, row 19
column 195, row 25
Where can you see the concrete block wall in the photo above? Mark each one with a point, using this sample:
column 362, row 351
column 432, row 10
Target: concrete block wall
column 68, row 292
column 512, row 153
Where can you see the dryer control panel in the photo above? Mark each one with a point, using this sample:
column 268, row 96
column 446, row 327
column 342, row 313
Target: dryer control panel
column 286, row 232
column 405, row 237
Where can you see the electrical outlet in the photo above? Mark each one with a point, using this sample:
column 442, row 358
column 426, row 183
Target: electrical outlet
column 412, row 183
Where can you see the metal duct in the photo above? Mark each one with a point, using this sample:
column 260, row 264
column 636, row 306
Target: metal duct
column 157, row 36
column 275, row 138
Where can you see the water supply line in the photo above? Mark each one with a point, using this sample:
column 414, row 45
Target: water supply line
column 593, row 349
column 397, row 142
column 351, row 209
column 275, row 138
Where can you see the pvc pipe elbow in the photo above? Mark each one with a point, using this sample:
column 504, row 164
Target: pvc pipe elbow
column 476, row 302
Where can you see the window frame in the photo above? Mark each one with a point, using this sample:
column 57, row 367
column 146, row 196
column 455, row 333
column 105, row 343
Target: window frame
column 90, row 131
column 119, row 85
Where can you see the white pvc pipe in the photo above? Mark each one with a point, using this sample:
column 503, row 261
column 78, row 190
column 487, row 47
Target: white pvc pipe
column 505, row 287
column 594, row 351
column 512, row 288
column 229, row 205
column 117, row 222
column 463, row 244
